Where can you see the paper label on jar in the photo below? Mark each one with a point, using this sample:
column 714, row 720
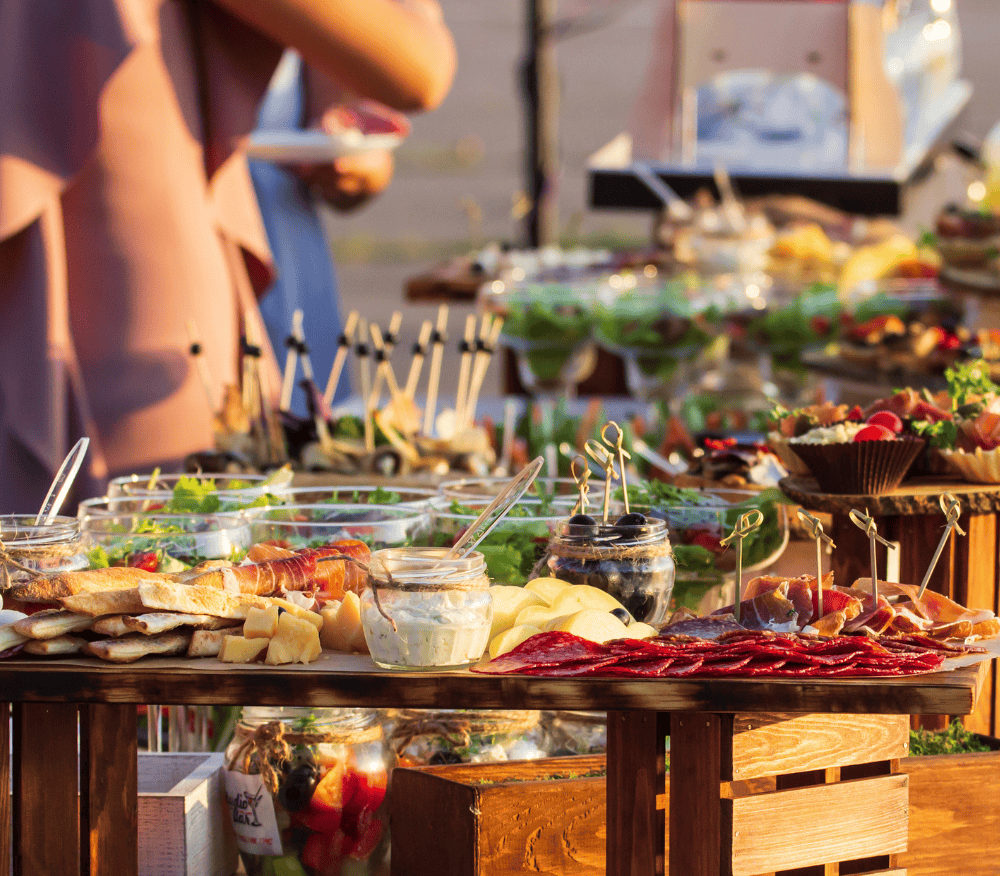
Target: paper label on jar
column 251, row 811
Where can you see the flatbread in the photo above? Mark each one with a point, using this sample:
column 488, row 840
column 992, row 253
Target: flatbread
column 130, row 648
column 193, row 599
column 163, row 621
column 111, row 626
column 54, row 587
column 208, row 643
column 52, row 623
column 110, row 602
column 54, row 647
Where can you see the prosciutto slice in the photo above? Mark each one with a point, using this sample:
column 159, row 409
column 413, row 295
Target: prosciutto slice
column 263, row 579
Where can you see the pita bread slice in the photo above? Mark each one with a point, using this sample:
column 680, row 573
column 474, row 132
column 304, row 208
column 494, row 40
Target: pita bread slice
column 110, row 602
column 55, row 647
column 52, row 623
column 192, row 599
column 113, row 626
column 130, row 648
column 208, row 643
column 55, row 587
column 163, row 621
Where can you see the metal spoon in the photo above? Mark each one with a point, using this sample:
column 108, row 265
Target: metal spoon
column 62, row 483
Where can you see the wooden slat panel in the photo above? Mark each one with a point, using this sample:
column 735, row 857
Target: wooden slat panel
column 699, row 836
column 813, row 829
column 636, row 828
column 109, row 825
column 46, row 827
column 5, row 837
column 770, row 744
column 954, row 819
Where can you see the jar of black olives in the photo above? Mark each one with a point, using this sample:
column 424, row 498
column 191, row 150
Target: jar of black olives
column 305, row 789
column 631, row 559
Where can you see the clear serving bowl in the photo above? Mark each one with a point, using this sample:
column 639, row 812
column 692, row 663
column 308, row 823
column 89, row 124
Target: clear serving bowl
column 117, row 535
column 378, row 526
column 242, row 488
column 404, row 497
column 477, row 490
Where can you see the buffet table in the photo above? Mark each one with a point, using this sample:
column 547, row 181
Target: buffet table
column 716, row 754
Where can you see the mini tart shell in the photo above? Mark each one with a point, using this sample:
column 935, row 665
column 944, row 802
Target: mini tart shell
column 978, row 467
column 860, row 468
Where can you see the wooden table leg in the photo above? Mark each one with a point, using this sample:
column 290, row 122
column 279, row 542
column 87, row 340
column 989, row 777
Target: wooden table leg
column 109, row 819
column 700, row 844
column 46, row 838
column 636, row 789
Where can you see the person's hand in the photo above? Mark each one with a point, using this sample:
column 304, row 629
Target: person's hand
column 351, row 180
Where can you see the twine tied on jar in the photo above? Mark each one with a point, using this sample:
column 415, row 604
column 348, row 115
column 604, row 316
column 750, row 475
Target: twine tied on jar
column 34, row 552
column 610, row 551
column 268, row 746
column 458, row 728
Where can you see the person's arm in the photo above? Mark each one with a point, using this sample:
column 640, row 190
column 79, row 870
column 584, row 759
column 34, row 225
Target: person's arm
column 398, row 53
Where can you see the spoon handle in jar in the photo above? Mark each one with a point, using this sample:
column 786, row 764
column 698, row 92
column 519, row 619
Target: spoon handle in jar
column 62, row 483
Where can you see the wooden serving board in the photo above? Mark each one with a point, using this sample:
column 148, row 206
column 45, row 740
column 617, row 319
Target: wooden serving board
column 914, row 497
column 353, row 680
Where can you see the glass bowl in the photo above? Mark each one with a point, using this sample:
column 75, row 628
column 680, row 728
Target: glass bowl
column 119, row 536
column 516, row 544
column 232, row 488
column 478, row 490
column 378, row 526
column 404, row 497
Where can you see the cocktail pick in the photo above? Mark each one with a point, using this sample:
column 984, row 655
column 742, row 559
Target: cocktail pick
column 820, row 536
column 343, row 349
column 295, row 344
column 581, row 475
column 363, row 353
column 417, row 362
column 507, row 439
column 952, row 509
column 198, row 354
column 467, row 348
column 485, row 349
column 606, row 460
column 865, row 522
column 391, row 337
column 623, row 454
column 746, row 524
column 438, row 339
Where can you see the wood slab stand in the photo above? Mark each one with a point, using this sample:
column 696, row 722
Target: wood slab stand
column 51, row 697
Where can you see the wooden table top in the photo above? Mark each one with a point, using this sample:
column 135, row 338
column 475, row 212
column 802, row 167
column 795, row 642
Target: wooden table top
column 917, row 496
column 353, row 680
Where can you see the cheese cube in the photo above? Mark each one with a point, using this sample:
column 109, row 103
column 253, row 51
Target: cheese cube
column 261, row 623
column 299, row 612
column 345, row 630
column 239, row 649
column 296, row 641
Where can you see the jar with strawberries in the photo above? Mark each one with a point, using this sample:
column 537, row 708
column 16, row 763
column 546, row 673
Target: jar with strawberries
column 305, row 790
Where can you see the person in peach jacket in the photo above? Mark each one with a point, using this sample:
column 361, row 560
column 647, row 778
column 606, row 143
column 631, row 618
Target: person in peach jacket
column 126, row 208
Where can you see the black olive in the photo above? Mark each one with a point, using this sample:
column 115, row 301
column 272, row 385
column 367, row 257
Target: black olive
column 622, row 615
column 634, row 518
column 582, row 520
column 297, row 790
column 440, row 758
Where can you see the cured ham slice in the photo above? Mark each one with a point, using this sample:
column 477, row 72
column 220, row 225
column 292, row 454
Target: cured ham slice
column 771, row 610
column 703, row 627
column 263, row 579
column 261, row 553
column 934, row 614
column 335, row 578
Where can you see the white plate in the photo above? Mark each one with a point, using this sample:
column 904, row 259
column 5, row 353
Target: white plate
column 291, row 147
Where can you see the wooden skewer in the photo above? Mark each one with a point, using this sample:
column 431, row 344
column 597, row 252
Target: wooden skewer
column 366, row 384
column 507, row 440
column 461, row 411
column 482, row 367
column 198, row 354
column 343, row 348
column 438, row 339
column 391, row 337
column 467, row 348
column 417, row 362
column 294, row 343
column 867, row 524
column 399, row 401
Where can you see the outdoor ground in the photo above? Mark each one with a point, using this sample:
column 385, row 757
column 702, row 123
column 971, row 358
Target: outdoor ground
column 459, row 176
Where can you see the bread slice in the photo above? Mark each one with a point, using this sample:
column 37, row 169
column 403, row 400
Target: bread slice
column 52, row 623
column 55, row 587
column 161, row 622
column 109, row 602
column 55, row 647
column 113, row 626
column 208, row 643
column 129, row 648
column 193, row 599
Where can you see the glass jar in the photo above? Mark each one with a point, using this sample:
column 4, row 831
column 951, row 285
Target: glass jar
column 43, row 548
column 573, row 733
column 633, row 563
column 305, row 789
column 433, row 738
column 424, row 612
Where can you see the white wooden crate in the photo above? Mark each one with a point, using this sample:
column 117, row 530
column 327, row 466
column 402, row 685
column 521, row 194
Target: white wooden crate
column 184, row 827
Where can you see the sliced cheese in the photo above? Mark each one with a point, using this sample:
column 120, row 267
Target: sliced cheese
column 547, row 588
column 580, row 596
column 239, row 649
column 538, row 615
column 510, row 639
column 508, row 603
column 639, row 630
column 594, row 625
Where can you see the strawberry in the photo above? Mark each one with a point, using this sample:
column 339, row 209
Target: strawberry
column 705, row 540
column 820, row 325
column 149, row 561
column 874, row 433
column 887, row 419
column 855, row 414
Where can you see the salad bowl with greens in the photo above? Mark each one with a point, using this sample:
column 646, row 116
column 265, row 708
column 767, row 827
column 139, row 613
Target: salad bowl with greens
column 378, row 526
column 241, row 489
column 408, row 497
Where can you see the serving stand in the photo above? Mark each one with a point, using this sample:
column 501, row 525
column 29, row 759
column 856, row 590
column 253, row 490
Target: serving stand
column 895, row 66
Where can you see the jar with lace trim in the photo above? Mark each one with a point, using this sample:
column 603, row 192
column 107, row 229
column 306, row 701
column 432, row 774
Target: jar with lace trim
column 306, row 788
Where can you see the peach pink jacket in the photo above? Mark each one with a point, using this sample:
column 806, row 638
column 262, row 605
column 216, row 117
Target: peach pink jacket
column 113, row 235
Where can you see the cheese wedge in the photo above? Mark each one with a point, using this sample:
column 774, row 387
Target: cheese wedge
column 52, row 623
column 130, row 648
column 54, row 647
column 238, row 649
column 119, row 602
column 296, row 641
column 297, row 611
column 342, row 626
column 208, row 643
column 261, row 623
